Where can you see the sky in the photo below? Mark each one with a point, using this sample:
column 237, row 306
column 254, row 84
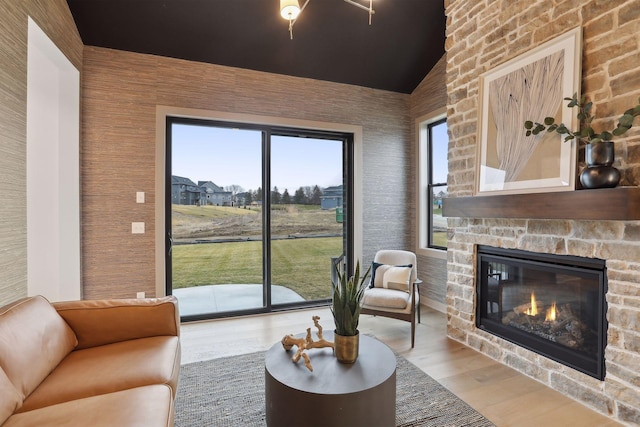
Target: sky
column 233, row 157
column 440, row 149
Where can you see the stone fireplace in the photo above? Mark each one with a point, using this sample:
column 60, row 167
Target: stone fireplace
column 617, row 394
column 595, row 224
column 553, row 305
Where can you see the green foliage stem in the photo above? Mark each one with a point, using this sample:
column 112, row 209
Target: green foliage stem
column 586, row 133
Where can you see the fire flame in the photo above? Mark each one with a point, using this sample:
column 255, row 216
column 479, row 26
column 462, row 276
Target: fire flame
column 551, row 313
column 533, row 311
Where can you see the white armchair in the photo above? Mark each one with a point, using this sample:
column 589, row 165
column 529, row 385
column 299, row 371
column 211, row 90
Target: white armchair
column 393, row 289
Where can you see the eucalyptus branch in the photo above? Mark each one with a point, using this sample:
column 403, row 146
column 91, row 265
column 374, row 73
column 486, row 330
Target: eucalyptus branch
column 585, row 133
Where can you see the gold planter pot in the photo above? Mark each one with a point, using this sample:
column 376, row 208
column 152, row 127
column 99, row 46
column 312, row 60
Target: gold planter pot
column 346, row 348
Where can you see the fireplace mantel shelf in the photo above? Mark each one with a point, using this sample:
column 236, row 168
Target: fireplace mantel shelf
column 620, row 203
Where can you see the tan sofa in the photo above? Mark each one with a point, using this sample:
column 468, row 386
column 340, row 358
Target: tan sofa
column 89, row 363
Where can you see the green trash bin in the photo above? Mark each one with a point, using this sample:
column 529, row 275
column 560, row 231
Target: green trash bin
column 339, row 215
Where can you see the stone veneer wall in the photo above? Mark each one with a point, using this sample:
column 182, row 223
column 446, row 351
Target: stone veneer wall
column 482, row 34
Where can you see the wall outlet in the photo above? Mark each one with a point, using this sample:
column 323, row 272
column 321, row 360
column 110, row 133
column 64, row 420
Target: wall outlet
column 137, row 228
column 140, row 197
column 140, row 295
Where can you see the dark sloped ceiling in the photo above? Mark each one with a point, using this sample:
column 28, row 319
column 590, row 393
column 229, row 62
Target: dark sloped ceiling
column 331, row 40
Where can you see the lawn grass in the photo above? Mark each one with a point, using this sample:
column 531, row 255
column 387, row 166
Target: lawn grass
column 439, row 235
column 302, row 265
column 440, row 238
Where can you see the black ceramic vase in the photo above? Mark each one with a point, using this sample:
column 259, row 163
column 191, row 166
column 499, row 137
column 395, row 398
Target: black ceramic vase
column 599, row 173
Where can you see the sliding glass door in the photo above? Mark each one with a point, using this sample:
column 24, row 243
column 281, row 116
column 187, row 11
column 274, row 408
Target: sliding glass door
column 234, row 248
column 306, row 226
column 216, row 248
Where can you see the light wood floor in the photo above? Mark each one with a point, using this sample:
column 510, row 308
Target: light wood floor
column 504, row 396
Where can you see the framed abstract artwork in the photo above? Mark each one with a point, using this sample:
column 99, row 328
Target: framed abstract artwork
column 531, row 86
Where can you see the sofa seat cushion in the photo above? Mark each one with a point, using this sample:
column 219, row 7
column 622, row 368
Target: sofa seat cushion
column 109, row 368
column 33, row 340
column 386, row 298
column 141, row 406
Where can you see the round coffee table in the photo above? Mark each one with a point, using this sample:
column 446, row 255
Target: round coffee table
column 334, row 394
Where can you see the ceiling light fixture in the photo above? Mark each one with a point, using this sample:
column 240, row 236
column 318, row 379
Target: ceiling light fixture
column 361, row 6
column 290, row 10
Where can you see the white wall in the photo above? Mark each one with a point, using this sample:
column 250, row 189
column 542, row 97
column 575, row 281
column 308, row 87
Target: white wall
column 53, row 171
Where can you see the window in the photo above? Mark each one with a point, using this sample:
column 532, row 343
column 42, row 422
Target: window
column 434, row 167
column 247, row 249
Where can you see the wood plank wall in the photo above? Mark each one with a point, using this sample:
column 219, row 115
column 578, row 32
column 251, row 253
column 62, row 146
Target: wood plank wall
column 55, row 19
column 120, row 94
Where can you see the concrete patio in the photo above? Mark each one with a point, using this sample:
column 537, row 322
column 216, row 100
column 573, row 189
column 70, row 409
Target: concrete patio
column 224, row 298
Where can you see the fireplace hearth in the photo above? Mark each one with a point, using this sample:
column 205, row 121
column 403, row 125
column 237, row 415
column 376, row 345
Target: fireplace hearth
column 553, row 305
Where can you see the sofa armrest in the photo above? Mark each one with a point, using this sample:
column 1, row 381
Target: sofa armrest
column 100, row 322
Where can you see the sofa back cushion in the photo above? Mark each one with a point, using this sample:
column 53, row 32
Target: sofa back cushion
column 10, row 399
column 102, row 322
column 33, row 340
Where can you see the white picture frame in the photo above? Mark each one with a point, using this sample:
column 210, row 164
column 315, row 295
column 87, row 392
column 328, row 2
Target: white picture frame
column 530, row 86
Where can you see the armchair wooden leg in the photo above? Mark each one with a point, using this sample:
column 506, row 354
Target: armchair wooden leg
column 416, row 289
column 413, row 331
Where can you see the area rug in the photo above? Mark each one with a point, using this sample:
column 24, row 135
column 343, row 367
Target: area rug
column 229, row 392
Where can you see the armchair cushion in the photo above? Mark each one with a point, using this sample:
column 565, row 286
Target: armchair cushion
column 386, row 298
column 391, row 276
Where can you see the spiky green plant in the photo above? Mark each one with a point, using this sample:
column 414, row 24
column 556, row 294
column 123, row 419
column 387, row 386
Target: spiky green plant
column 347, row 299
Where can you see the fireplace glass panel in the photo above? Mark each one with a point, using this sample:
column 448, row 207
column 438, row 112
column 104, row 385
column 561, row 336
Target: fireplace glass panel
column 551, row 304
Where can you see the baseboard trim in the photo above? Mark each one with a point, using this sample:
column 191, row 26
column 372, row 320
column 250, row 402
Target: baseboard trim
column 438, row 306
